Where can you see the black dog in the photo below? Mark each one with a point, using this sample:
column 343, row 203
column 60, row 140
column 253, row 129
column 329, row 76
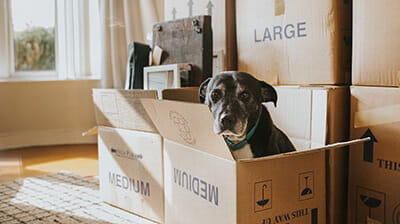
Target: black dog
column 235, row 99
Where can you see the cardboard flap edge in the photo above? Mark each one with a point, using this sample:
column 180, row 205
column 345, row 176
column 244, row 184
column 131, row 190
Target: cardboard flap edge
column 189, row 124
column 324, row 148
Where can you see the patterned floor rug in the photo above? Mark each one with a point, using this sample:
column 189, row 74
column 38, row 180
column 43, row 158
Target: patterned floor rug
column 58, row 198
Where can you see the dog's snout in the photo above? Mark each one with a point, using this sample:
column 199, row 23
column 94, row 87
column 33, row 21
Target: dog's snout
column 228, row 121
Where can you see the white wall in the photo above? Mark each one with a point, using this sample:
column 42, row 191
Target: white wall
column 46, row 112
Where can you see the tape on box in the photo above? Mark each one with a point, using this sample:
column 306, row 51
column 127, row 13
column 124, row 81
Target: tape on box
column 279, row 7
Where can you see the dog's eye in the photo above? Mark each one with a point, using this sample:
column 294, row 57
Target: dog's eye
column 244, row 96
column 215, row 96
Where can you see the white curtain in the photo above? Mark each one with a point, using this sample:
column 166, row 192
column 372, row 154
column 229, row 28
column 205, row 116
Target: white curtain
column 78, row 28
column 4, row 62
column 123, row 21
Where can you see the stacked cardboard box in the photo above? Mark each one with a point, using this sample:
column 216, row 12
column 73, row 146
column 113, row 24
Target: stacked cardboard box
column 374, row 179
column 376, row 58
column 306, row 43
column 295, row 42
column 375, row 166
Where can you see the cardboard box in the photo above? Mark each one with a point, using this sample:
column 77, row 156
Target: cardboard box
column 311, row 117
column 223, row 24
column 123, row 109
column 130, row 171
column 204, row 184
column 314, row 117
column 187, row 94
column 376, row 46
column 374, row 181
column 130, row 153
column 295, row 42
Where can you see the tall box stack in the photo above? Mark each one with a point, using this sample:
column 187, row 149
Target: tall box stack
column 223, row 25
column 374, row 179
column 304, row 43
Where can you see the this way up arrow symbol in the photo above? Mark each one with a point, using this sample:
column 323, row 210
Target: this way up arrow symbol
column 174, row 13
column 190, row 6
column 209, row 8
column 369, row 146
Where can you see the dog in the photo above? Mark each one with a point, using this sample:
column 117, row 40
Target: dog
column 235, row 100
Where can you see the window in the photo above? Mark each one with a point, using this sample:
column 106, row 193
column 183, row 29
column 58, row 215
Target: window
column 49, row 39
column 33, row 35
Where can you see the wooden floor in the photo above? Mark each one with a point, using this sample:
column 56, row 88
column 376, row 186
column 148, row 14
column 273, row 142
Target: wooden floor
column 34, row 161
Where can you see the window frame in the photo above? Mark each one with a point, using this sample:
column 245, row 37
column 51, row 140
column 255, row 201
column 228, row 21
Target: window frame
column 76, row 54
column 34, row 74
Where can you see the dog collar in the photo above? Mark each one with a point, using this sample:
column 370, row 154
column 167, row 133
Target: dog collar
column 241, row 144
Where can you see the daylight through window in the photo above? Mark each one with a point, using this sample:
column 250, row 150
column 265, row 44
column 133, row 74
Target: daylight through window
column 34, row 35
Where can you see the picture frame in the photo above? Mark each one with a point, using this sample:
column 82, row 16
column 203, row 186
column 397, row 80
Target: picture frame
column 163, row 76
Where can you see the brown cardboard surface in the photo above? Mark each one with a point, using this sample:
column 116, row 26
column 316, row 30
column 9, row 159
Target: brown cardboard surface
column 191, row 147
column 302, row 44
column 187, row 123
column 123, row 109
column 223, row 23
column 293, row 190
column 337, row 173
column 188, row 94
column 376, row 61
column 374, row 178
column 131, row 171
column 199, row 188
column 312, row 116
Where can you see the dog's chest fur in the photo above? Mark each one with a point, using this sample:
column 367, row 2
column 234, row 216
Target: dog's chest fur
column 243, row 153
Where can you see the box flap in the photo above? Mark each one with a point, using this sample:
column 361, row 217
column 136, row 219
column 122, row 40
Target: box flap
column 190, row 124
column 122, row 109
column 188, row 94
column 311, row 116
column 327, row 147
column 92, row 131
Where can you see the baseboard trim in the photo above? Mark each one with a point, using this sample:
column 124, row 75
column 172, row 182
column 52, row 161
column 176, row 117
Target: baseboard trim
column 21, row 139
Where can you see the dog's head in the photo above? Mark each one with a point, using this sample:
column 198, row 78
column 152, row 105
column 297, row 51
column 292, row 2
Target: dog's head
column 235, row 100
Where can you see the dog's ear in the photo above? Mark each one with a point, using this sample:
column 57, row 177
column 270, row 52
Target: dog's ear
column 268, row 93
column 203, row 90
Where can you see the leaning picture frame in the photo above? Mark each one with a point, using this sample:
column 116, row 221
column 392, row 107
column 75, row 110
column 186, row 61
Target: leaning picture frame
column 163, row 76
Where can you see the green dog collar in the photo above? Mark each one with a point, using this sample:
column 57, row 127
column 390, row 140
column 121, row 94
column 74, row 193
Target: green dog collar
column 242, row 143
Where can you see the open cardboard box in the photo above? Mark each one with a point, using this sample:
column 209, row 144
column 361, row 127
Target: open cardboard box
column 204, row 184
column 131, row 149
column 130, row 153
column 312, row 117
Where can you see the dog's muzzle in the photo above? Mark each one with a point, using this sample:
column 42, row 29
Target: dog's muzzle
column 227, row 122
column 230, row 125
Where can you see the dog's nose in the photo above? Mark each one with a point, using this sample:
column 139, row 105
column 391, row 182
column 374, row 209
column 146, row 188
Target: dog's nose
column 228, row 121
